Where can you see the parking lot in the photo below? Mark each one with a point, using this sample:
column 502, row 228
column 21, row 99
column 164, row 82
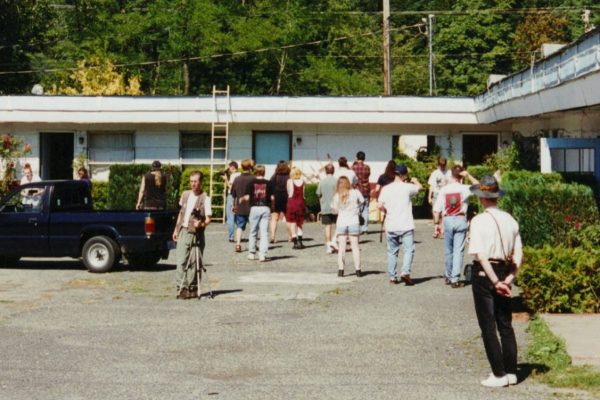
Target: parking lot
column 287, row 328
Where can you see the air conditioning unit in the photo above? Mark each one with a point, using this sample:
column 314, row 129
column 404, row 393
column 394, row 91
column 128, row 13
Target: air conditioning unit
column 548, row 49
column 494, row 78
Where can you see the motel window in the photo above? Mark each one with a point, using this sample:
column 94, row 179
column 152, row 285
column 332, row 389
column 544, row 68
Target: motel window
column 111, row 147
column 195, row 147
column 573, row 160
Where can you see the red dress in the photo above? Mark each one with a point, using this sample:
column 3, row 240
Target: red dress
column 295, row 206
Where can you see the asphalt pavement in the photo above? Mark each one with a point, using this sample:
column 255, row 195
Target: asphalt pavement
column 288, row 328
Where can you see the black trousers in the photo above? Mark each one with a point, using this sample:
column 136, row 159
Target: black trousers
column 494, row 313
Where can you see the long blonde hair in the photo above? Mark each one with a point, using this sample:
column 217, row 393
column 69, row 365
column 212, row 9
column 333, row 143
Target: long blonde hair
column 343, row 189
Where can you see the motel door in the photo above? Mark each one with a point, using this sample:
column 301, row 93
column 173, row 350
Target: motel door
column 56, row 151
column 270, row 147
column 477, row 147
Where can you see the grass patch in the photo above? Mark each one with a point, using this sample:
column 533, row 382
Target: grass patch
column 552, row 364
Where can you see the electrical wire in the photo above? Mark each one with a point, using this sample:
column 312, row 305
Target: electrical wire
column 219, row 55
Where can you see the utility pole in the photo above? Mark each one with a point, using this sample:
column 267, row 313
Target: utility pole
column 430, row 19
column 387, row 59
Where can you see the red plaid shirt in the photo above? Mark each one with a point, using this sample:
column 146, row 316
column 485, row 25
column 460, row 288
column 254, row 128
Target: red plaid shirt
column 362, row 172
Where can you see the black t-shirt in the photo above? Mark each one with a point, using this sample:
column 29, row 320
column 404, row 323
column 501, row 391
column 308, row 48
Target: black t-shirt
column 260, row 191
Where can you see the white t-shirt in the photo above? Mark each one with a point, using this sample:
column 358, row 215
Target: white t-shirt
column 484, row 236
column 452, row 199
column 231, row 179
column 34, row 178
column 348, row 212
column 348, row 173
column 439, row 179
column 396, row 198
column 191, row 201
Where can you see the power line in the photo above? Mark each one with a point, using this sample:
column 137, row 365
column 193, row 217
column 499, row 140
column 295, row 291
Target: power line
column 219, row 55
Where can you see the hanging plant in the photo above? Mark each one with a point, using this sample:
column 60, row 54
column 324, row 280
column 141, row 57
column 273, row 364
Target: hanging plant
column 12, row 148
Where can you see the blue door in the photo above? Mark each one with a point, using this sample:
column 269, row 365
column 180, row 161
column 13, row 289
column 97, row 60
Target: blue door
column 270, row 147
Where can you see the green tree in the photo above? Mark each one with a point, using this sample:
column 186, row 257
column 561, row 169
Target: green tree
column 470, row 47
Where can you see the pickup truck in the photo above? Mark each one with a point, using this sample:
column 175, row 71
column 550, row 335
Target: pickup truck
column 56, row 219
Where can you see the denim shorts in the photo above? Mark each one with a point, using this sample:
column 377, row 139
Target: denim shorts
column 241, row 221
column 352, row 230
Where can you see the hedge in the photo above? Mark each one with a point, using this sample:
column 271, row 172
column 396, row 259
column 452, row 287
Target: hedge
column 545, row 208
column 560, row 279
column 218, row 189
column 124, row 185
column 311, row 199
column 100, row 195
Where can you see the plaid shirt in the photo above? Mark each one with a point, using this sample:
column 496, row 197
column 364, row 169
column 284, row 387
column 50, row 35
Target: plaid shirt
column 362, row 172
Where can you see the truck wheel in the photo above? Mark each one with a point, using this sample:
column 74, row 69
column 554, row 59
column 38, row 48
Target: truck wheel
column 144, row 260
column 99, row 254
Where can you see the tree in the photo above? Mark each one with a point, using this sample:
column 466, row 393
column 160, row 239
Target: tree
column 468, row 48
column 97, row 77
column 535, row 30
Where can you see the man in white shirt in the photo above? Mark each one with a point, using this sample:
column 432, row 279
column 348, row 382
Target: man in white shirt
column 395, row 200
column 496, row 244
column 194, row 217
column 452, row 203
column 437, row 180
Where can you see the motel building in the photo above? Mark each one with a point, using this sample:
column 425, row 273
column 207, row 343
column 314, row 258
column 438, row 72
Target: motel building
column 556, row 101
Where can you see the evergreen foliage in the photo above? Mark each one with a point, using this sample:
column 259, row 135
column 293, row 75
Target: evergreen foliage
column 270, row 47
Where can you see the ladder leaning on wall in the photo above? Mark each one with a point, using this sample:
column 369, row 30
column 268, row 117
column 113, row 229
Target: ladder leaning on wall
column 219, row 144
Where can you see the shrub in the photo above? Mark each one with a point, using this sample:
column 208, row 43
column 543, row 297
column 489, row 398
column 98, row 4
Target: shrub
column 100, row 195
column 584, row 179
column 311, row 199
column 479, row 171
column 421, row 171
column 560, row 279
column 217, row 181
column 545, row 207
column 124, row 185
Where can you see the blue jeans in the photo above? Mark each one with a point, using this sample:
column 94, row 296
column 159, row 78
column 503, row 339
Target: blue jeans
column 365, row 213
column 455, row 231
column 407, row 238
column 259, row 220
column 230, row 217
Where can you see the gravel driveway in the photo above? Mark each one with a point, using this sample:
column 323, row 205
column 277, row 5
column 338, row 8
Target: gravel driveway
column 284, row 329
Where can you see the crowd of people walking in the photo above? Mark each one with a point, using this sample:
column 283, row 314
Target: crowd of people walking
column 344, row 194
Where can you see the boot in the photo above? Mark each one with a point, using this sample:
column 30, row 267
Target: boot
column 295, row 240
column 300, row 245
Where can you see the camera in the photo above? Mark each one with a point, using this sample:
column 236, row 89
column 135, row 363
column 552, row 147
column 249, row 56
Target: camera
column 198, row 215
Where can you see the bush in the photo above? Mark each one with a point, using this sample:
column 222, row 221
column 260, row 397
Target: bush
column 479, row 171
column 545, row 208
column 560, row 279
column 124, row 185
column 421, row 171
column 311, row 199
column 584, row 179
column 217, row 181
column 100, row 195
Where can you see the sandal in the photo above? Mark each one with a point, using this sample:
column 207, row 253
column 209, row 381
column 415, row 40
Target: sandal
column 238, row 248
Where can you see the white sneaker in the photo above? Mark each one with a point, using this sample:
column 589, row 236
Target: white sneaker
column 494, row 381
column 334, row 246
column 328, row 249
column 262, row 258
column 251, row 256
column 512, row 379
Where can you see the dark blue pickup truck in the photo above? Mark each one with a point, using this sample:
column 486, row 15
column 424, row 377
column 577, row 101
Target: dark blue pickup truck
column 56, row 219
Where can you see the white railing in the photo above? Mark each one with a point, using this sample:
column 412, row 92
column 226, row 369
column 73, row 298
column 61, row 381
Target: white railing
column 546, row 74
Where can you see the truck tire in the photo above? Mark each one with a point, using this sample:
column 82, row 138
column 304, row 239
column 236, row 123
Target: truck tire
column 143, row 260
column 99, row 254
